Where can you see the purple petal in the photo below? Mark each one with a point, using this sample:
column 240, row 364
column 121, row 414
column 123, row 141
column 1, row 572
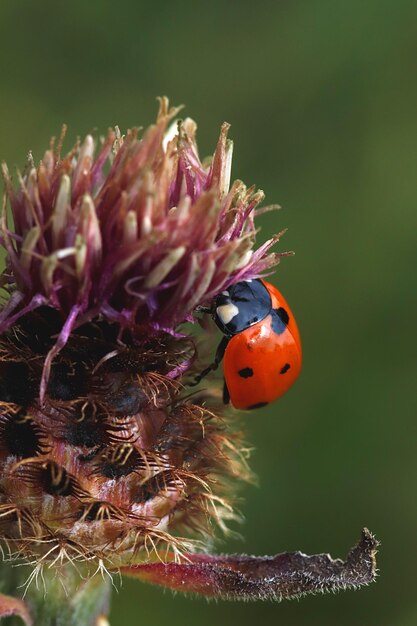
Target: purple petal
column 287, row 575
column 7, row 320
column 59, row 344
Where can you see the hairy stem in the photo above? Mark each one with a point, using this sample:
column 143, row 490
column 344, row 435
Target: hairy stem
column 59, row 596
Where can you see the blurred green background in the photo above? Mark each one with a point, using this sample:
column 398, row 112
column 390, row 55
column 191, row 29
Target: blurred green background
column 322, row 98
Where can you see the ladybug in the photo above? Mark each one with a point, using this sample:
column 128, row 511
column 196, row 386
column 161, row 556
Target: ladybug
column 261, row 346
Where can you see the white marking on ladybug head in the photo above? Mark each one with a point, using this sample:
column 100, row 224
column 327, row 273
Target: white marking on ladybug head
column 226, row 312
column 225, row 293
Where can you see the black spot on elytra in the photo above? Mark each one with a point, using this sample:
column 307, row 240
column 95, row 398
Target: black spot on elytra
column 285, row 368
column 280, row 319
column 246, row 372
column 258, row 405
column 21, row 437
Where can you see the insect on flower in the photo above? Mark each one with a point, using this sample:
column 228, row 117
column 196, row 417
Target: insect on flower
column 261, row 344
column 107, row 461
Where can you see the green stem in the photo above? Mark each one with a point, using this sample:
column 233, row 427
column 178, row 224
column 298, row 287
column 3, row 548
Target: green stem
column 60, row 597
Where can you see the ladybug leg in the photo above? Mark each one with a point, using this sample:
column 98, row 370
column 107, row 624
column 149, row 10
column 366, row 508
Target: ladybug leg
column 221, row 348
column 226, row 394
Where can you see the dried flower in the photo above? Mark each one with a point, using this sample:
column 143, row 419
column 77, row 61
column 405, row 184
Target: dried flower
column 108, row 459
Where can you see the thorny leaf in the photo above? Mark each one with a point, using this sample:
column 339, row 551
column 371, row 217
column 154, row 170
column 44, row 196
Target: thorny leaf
column 286, row 575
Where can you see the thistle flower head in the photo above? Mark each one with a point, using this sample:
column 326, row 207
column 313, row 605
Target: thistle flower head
column 105, row 454
column 112, row 249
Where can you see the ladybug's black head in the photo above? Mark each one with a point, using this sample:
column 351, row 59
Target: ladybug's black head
column 241, row 305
